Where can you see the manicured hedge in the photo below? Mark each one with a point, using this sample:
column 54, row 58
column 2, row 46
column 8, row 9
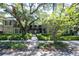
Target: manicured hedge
column 43, row 36
column 20, row 37
column 12, row 45
column 39, row 36
column 17, row 45
column 14, row 36
column 69, row 38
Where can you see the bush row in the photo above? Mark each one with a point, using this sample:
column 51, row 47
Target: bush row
column 12, row 45
column 14, row 36
column 43, row 36
column 23, row 46
column 39, row 36
column 69, row 38
column 20, row 37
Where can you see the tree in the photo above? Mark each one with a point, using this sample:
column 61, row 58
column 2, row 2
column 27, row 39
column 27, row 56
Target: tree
column 60, row 20
column 25, row 14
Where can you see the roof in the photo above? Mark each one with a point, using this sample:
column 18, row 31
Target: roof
column 10, row 18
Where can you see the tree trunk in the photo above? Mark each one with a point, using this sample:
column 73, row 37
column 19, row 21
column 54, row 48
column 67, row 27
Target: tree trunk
column 23, row 33
column 54, row 36
column 54, row 39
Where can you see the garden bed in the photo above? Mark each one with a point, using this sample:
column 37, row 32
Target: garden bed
column 44, row 49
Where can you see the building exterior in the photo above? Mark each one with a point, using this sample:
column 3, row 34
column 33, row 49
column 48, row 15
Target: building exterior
column 9, row 26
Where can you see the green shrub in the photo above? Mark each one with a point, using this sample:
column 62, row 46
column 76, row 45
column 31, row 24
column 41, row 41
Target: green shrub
column 3, row 37
column 13, row 45
column 14, row 36
column 60, row 45
column 17, row 45
column 39, row 36
column 28, row 36
column 45, row 45
column 69, row 38
column 43, row 36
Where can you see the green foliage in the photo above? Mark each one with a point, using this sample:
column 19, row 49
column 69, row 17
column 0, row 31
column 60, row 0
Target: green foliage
column 60, row 45
column 13, row 45
column 43, row 36
column 56, row 45
column 61, row 20
column 14, row 36
column 17, row 45
column 69, row 38
column 46, row 37
column 27, row 36
column 24, row 16
column 42, row 45
column 45, row 45
column 10, row 37
column 3, row 37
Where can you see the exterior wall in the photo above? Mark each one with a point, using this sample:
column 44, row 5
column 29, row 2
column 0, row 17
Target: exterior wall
column 11, row 30
column 16, row 30
column 9, row 27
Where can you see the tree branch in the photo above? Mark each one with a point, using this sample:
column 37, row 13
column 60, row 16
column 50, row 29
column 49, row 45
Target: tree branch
column 37, row 8
column 30, row 5
column 33, row 21
column 14, row 14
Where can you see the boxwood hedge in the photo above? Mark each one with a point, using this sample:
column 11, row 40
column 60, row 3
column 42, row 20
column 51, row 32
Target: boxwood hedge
column 69, row 38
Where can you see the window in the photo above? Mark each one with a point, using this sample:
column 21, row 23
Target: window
column 17, row 31
column 5, row 22
column 30, row 27
column 10, row 22
column 40, row 30
column 44, row 30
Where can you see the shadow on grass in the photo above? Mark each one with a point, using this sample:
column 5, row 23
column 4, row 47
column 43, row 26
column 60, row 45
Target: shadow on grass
column 5, row 49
